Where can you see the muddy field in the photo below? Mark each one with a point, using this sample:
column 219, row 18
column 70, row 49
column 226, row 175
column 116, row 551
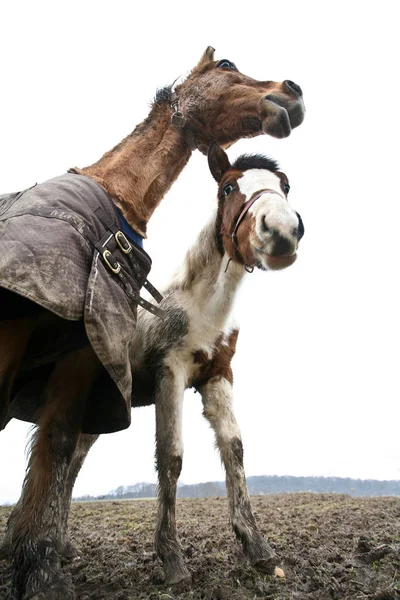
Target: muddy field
column 331, row 547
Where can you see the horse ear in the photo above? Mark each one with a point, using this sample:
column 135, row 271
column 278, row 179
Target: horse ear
column 208, row 56
column 218, row 161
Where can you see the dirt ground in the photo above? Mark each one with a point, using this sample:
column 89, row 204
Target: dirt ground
column 331, row 546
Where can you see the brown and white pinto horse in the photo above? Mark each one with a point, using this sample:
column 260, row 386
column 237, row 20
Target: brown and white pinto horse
column 193, row 347
column 215, row 102
column 254, row 226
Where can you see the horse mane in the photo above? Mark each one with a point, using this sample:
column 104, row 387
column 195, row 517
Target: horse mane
column 255, row 161
column 163, row 95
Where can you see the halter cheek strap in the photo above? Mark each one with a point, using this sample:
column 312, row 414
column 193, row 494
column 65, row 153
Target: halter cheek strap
column 177, row 117
column 179, row 120
column 245, row 208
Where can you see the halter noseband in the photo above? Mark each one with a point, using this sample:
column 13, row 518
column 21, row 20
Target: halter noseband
column 245, row 208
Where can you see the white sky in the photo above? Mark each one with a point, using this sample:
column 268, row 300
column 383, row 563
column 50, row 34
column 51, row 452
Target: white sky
column 317, row 367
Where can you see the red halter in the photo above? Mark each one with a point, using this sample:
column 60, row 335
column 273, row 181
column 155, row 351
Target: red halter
column 245, row 207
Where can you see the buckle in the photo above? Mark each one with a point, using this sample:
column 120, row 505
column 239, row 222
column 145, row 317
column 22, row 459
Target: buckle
column 178, row 119
column 123, row 242
column 116, row 267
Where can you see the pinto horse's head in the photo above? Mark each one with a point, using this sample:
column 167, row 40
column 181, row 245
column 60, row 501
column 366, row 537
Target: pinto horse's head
column 255, row 224
column 219, row 103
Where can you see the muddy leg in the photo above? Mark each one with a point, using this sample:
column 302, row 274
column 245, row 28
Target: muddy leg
column 169, row 453
column 6, row 548
column 14, row 336
column 85, row 442
column 67, row 551
column 217, row 402
column 37, row 528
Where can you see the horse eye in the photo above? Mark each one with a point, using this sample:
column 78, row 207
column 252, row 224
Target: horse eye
column 286, row 188
column 228, row 189
column 226, row 64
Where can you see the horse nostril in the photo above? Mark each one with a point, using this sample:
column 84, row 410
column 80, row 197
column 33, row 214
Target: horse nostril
column 281, row 246
column 300, row 229
column 293, row 87
column 265, row 227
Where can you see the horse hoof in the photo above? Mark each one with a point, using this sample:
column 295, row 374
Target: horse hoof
column 51, row 595
column 62, row 590
column 39, row 577
column 69, row 552
column 178, row 576
column 267, row 566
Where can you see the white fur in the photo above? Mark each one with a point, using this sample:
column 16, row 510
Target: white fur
column 204, row 288
column 255, row 180
column 271, row 210
column 217, row 399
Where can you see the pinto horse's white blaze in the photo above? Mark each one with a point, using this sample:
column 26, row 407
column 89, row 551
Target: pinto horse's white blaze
column 274, row 218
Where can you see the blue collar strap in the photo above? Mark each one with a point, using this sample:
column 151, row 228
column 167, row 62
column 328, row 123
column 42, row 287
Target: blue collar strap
column 128, row 231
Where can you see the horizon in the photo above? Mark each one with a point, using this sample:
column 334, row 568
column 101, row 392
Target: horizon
column 183, row 484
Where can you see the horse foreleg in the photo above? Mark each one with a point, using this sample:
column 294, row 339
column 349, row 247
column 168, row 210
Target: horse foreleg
column 169, row 453
column 67, row 549
column 38, row 525
column 217, row 403
column 14, row 336
column 85, row 442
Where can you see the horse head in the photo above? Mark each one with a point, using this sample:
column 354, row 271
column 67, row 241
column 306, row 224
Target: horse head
column 217, row 102
column 255, row 224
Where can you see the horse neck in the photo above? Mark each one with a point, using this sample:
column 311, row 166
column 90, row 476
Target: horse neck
column 139, row 171
column 205, row 272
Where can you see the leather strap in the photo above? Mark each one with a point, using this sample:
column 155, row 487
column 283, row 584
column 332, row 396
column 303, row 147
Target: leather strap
column 127, row 279
column 245, row 208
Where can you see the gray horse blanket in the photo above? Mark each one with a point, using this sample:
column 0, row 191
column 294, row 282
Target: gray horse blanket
column 61, row 249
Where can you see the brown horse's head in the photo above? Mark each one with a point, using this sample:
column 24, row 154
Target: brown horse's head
column 220, row 103
column 255, row 224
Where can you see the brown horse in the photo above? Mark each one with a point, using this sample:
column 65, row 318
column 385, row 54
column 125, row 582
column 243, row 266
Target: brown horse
column 214, row 102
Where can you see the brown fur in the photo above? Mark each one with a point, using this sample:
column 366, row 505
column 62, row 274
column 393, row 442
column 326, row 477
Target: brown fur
column 60, row 420
column 37, row 526
column 218, row 104
column 220, row 363
column 230, row 210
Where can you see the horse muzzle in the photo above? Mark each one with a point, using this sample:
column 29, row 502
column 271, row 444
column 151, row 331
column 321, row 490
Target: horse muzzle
column 277, row 263
column 291, row 113
column 280, row 240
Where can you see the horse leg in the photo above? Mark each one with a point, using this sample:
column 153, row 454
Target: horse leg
column 85, row 442
column 14, row 336
column 169, row 453
column 217, row 409
column 37, row 527
column 68, row 550
column 6, row 547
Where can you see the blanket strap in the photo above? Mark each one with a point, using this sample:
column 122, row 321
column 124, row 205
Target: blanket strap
column 136, row 297
column 127, row 248
column 121, row 244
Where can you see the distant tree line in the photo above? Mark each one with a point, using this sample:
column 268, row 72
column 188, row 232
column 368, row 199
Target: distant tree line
column 263, row 484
